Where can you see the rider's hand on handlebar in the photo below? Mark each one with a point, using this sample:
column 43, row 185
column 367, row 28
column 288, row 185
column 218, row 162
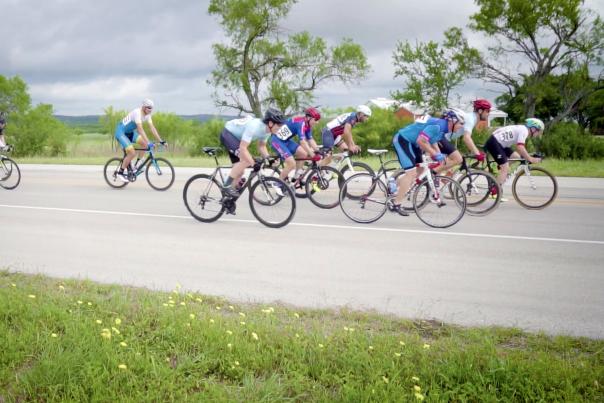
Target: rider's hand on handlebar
column 316, row 157
column 355, row 149
column 151, row 145
column 163, row 142
column 480, row 157
column 438, row 157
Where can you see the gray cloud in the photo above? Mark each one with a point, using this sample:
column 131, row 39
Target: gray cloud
column 82, row 56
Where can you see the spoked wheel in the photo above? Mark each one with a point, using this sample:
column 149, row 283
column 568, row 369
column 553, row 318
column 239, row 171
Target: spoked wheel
column 203, row 198
column 323, row 187
column 482, row 192
column 433, row 208
column 536, row 190
column 272, row 202
column 110, row 172
column 357, row 167
column 10, row 175
column 160, row 174
column 363, row 198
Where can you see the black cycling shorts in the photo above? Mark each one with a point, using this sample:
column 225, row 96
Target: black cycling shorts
column 231, row 143
column 499, row 152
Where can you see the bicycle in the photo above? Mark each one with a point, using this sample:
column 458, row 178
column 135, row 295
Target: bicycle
column 372, row 196
column 533, row 187
column 10, row 174
column 159, row 172
column 271, row 200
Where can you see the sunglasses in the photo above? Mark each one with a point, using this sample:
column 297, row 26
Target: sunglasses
column 149, row 108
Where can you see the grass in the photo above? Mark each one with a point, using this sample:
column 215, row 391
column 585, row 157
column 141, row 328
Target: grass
column 81, row 341
column 96, row 149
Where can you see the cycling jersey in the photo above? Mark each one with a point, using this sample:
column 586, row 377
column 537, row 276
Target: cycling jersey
column 511, row 135
column 133, row 118
column 336, row 126
column 247, row 129
column 432, row 129
column 299, row 127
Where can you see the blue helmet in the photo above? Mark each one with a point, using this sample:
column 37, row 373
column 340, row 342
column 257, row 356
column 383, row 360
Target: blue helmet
column 536, row 123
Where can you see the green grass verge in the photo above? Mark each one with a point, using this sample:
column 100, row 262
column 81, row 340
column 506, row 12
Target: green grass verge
column 80, row 341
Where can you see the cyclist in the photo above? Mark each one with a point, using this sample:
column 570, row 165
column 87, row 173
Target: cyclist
column 287, row 148
column 338, row 131
column 500, row 143
column 2, row 126
column 130, row 132
column 237, row 136
column 410, row 141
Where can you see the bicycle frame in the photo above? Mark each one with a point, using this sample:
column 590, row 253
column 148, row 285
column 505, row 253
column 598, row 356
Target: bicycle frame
column 149, row 159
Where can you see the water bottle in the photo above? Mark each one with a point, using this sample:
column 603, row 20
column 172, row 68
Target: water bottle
column 392, row 188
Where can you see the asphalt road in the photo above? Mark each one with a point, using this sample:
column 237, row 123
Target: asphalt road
column 537, row 270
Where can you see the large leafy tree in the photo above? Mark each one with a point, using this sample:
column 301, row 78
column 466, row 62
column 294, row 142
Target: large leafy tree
column 13, row 95
column 432, row 70
column 538, row 38
column 259, row 66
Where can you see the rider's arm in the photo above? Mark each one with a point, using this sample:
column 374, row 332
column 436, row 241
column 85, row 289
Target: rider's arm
column 262, row 148
column 154, row 131
column 306, row 147
column 424, row 144
column 141, row 132
column 524, row 154
column 313, row 144
column 347, row 136
column 469, row 142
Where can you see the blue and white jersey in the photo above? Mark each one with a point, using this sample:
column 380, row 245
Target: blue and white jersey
column 133, row 118
column 336, row 126
column 299, row 127
column 248, row 129
column 432, row 129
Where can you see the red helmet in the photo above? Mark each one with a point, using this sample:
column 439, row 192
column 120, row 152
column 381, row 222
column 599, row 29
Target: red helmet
column 313, row 113
column 482, row 104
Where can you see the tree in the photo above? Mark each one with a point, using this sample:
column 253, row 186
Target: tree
column 13, row 95
column 258, row 68
column 432, row 70
column 537, row 38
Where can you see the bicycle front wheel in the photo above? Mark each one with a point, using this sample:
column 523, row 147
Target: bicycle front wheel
column 203, row 198
column 160, row 174
column 357, row 167
column 110, row 173
column 10, row 175
column 323, row 187
column 482, row 192
column 535, row 190
column 272, row 202
column 363, row 198
column 433, row 209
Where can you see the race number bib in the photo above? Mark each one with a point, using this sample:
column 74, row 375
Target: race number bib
column 422, row 118
column 284, row 133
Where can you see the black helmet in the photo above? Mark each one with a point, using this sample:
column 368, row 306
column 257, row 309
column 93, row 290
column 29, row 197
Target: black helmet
column 273, row 115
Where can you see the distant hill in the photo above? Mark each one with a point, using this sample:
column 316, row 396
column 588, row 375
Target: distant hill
column 87, row 120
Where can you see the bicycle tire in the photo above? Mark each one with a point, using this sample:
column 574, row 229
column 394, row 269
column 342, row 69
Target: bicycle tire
column 430, row 212
column 203, row 197
column 155, row 170
column 347, row 173
column 478, row 186
column 543, row 197
column 267, row 189
column 110, row 173
column 11, row 174
column 370, row 199
column 323, row 187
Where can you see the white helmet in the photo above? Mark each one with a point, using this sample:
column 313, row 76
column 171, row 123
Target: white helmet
column 455, row 113
column 364, row 109
column 148, row 103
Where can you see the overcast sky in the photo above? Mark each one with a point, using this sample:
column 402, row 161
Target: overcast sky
column 84, row 55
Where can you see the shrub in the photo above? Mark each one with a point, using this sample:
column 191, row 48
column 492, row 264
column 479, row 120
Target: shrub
column 570, row 141
column 37, row 132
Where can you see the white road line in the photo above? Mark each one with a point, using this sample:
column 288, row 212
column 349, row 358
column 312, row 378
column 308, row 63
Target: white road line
column 344, row 227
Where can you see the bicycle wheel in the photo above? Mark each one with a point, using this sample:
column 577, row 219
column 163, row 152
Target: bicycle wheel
column 110, row 173
column 160, row 174
column 272, row 202
column 323, row 187
column 536, row 190
column 356, row 168
column 435, row 210
column 202, row 195
column 369, row 198
column 478, row 186
column 10, row 174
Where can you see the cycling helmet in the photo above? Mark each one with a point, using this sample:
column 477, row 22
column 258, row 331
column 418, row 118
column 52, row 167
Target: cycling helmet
column 482, row 104
column 456, row 114
column 273, row 115
column 364, row 109
column 147, row 103
column 536, row 123
column 313, row 113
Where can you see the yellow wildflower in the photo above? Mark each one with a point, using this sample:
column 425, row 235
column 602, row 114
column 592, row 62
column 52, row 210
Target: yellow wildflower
column 13, row 284
column 32, row 296
column 419, row 396
column 99, row 321
column 123, row 344
column 345, row 328
column 198, row 299
column 296, row 315
column 183, row 303
column 53, row 335
column 218, row 308
column 297, row 335
column 370, row 347
column 242, row 314
column 426, row 346
column 122, row 366
column 231, row 307
column 321, row 345
column 417, row 388
column 89, row 303
column 242, row 323
column 229, row 332
column 402, row 343
column 61, row 288
column 192, row 315
column 115, row 330
column 118, row 321
column 211, row 320
column 164, row 304
column 397, row 354
column 254, row 336
column 106, row 334
column 80, row 302
column 385, row 379
column 229, row 346
column 237, row 363
column 415, row 378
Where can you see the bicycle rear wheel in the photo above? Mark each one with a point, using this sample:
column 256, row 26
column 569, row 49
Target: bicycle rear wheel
column 536, row 190
column 357, row 167
column 110, row 172
column 433, row 209
column 363, row 198
column 478, row 187
column 323, row 187
column 10, row 174
column 272, row 202
column 160, row 174
column 202, row 195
